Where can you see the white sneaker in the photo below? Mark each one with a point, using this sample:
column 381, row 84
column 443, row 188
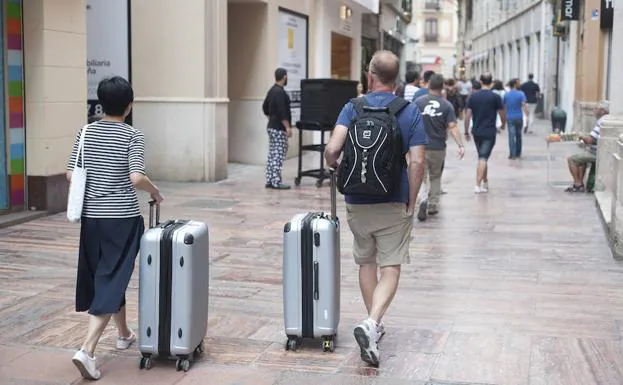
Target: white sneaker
column 477, row 190
column 86, row 365
column 380, row 331
column 485, row 187
column 366, row 336
column 124, row 343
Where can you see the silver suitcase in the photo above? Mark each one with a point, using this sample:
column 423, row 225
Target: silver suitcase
column 173, row 290
column 311, row 276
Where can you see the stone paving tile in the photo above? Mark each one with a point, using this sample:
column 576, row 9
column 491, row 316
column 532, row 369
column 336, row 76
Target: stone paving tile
column 514, row 287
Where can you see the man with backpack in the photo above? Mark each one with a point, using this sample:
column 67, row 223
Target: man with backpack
column 383, row 141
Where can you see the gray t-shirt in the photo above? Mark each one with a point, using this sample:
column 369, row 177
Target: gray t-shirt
column 437, row 113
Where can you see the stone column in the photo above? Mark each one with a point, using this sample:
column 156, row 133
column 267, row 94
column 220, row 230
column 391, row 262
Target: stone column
column 523, row 71
column 56, row 93
column 613, row 123
column 179, row 73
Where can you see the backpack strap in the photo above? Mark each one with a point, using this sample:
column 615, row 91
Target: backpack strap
column 359, row 103
column 397, row 105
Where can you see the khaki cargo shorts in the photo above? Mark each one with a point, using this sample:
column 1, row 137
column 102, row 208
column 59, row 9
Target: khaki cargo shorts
column 382, row 233
column 583, row 158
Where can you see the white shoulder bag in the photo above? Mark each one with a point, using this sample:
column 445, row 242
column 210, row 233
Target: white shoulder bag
column 78, row 184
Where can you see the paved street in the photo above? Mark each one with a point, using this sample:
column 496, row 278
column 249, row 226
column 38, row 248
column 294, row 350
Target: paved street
column 515, row 287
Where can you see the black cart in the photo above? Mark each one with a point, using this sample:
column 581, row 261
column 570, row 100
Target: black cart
column 321, row 103
column 321, row 174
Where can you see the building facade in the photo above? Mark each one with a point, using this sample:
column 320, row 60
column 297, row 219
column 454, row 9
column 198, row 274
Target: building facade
column 199, row 75
column 510, row 39
column 433, row 36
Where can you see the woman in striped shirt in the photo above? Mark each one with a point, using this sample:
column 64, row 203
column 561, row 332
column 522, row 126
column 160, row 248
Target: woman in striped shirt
column 111, row 225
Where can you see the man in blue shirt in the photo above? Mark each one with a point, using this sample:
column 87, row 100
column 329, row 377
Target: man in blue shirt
column 515, row 106
column 485, row 105
column 381, row 226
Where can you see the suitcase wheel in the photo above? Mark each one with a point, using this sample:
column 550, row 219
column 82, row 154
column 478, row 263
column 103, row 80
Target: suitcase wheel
column 182, row 364
column 328, row 345
column 319, row 183
column 145, row 363
column 292, row 344
column 297, row 181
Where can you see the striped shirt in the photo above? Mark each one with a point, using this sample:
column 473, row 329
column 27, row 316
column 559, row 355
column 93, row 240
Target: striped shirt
column 595, row 134
column 410, row 90
column 112, row 151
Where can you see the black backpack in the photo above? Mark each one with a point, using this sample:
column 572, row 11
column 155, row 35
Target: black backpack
column 373, row 155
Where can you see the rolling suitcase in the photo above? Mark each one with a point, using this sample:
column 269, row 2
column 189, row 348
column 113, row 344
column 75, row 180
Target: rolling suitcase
column 311, row 276
column 173, row 290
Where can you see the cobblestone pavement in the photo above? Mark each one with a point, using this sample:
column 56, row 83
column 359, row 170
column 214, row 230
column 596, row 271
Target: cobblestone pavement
column 515, row 287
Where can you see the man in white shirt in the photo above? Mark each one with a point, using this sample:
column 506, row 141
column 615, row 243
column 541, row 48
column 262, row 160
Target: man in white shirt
column 465, row 89
column 412, row 78
column 579, row 162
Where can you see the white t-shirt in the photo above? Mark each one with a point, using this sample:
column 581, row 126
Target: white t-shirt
column 410, row 90
column 465, row 88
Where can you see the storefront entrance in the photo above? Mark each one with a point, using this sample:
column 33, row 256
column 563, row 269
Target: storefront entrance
column 341, row 53
column 12, row 137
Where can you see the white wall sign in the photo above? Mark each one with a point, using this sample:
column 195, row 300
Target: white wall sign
column 292, row 53
column 108, row 45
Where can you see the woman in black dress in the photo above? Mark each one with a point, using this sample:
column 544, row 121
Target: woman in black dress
column 111, row 224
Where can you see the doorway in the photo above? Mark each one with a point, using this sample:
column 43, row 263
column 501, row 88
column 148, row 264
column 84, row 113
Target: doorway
column 341, row 55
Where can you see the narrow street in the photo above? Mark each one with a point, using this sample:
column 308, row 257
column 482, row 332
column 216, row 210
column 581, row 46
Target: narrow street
column 516, row 287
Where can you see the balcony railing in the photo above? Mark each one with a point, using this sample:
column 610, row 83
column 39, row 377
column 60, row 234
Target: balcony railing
column 432, row 5
column 431, row 38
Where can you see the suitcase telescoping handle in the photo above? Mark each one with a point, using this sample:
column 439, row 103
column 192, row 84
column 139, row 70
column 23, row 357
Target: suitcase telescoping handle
column 333, row 186
column 154, row 221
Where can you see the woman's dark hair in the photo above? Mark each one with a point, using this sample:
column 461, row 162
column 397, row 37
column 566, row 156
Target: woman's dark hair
column 450, row 82
column 498, row 85
column 115, row 95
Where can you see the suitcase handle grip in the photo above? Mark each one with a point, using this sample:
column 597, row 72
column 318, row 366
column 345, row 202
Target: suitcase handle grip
column 153, row 223
column 316, row 281
column 333, row 187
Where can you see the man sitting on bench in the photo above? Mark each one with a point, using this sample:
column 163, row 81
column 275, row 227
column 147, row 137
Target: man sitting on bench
column 580, row 161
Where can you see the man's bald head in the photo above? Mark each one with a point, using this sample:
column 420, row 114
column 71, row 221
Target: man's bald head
column 385, row 66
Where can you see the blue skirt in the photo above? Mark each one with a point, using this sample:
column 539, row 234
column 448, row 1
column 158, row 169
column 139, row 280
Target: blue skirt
column 108, row 249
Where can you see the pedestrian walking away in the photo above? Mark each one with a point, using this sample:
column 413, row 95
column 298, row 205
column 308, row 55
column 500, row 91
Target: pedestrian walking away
column 484, row 105
column 424, row 86
column 276, row 107
column 412, row 86
column 532, row 91
column 439, row 118
column 515, row 107
column 111, row 225
column 380, row 200
column 465, row 89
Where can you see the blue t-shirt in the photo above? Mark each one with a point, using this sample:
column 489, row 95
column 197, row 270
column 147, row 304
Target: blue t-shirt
column 418, row 93
column 485, row 105
column 413, row 134
column 513, row 101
